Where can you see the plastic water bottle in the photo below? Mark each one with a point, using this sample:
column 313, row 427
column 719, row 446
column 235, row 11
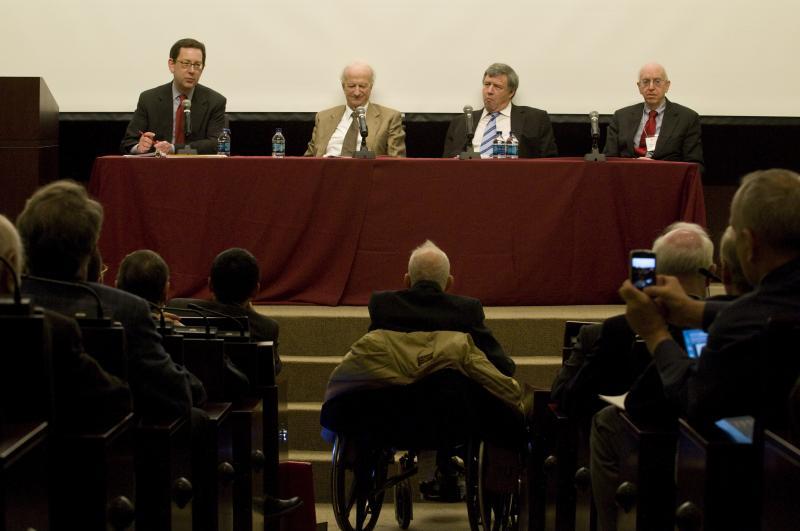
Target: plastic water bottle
column 278, row 144
column 512, row 146
column 224, row 142
column 499, row 146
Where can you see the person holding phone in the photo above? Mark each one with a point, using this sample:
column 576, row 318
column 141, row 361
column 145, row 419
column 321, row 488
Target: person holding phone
column 164, row 122
column 656, row 129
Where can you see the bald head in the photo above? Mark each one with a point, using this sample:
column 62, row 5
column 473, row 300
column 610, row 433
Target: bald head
column 653, row 84
column 11, row 251
column 428, row 262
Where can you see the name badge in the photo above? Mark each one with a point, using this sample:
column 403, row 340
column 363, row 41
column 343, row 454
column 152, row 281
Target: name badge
column 650, row 141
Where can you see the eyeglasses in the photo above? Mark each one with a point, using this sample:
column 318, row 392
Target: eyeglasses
column 657, row 82
column 188, row 65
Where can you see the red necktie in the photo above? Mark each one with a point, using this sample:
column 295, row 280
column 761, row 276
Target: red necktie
column 180, row 139
column 649, row 130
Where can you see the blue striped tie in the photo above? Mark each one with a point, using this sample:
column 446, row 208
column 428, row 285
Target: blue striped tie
column 488, row 135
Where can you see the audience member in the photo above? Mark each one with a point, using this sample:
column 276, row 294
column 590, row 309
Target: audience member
column 336, row 132
column 657, row 129
column 146, row 274
column 234, row 281
column 424, row 306
column 611, row 365
column 59, row 227
column 158, row 125
column 84, row 395
column 531, row 126
column 731, row 273
column 765, row 216
column 616, row 366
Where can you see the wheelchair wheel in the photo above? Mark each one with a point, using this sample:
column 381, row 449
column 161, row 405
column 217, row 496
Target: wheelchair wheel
column 357, row 486
column 402, row 504
column 491, row 505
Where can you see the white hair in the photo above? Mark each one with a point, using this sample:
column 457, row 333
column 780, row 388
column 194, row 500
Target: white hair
column 10, row 248
column 682, row 249
column 428, row 262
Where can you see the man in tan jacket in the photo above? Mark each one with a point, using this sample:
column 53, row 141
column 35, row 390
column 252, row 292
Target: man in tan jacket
column 336, row 129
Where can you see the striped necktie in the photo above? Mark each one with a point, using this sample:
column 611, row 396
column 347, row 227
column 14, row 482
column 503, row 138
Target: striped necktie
column 488, row 135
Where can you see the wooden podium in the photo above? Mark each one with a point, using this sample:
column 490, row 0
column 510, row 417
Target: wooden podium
column 28, row 140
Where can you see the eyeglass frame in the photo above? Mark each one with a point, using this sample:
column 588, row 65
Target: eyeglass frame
column 187, row 65
column 657, row 82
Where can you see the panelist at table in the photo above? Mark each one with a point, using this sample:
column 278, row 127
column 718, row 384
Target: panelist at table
column 336, row 131
column 673, row 130
column 159, row 121
column 531, row 126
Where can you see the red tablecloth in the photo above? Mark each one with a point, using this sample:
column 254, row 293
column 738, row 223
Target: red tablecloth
column 330, row 231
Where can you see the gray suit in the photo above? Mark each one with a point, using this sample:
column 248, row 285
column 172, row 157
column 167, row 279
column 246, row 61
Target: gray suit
column 679, row 138
column 154, row 113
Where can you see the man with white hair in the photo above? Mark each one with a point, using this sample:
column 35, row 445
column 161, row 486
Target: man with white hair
column 426, row 306
column 656, row 129
column 336, row 131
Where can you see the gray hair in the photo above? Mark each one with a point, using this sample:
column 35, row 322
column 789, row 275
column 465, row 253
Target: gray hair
column 730, row 261
column 10, row 249
column 59, row 227
column 768, row 203
column 428, row 262
column 358, row 64
column 682, row 249
column 501, row 69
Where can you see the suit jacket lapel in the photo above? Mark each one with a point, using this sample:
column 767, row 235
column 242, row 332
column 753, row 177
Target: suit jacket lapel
column 632, row 122
column 373, row 123
column 165, row 115
column 667, row 126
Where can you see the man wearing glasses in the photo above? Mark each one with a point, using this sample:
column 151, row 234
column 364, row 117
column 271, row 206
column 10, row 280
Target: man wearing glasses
column 658, row 129
column 160, row 121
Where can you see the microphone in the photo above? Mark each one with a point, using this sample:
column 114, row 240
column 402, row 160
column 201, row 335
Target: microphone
column 199, row 308
column 13, row 273
column 595, row 155
column 468, row 122
column 361, row 112
column 191, row 310
column 80, row 285
column 162, row 320
column 594, row 119
column 187, row 117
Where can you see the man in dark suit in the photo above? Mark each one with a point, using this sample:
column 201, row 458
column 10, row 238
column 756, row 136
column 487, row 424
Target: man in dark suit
column 425, row 306
column 657, row 129
column 531, row 126
column 84, row 395
column 59, row 228
column 233, row 282
column 159, row 120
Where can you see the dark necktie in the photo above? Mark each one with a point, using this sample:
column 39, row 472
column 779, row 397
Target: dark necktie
column 649, row 130
column 180, row 138
column 350, row 138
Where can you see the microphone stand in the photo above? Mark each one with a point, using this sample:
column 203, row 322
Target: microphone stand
column 469, row 151
column 187, row 130
column 190, row 310
column 199, row 308
column 363, row 152
column 19, row 306
column 595, row 155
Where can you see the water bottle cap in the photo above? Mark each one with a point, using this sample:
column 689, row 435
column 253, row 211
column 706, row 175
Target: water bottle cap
column 278, row 130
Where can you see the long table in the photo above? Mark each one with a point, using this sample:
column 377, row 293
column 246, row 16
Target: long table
column 331, row 231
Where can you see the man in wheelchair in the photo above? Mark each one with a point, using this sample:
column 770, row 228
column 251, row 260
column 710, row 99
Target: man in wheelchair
column 417, row 390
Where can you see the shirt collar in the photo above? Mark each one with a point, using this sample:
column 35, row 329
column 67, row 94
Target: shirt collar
column 176, row 93
column 659, row 109
column 505, row 111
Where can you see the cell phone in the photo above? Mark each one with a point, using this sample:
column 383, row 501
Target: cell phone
column 643, row 268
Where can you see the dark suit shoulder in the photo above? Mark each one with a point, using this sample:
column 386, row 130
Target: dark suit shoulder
column 680, row 109
column 160, row 91
column 208, row 93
